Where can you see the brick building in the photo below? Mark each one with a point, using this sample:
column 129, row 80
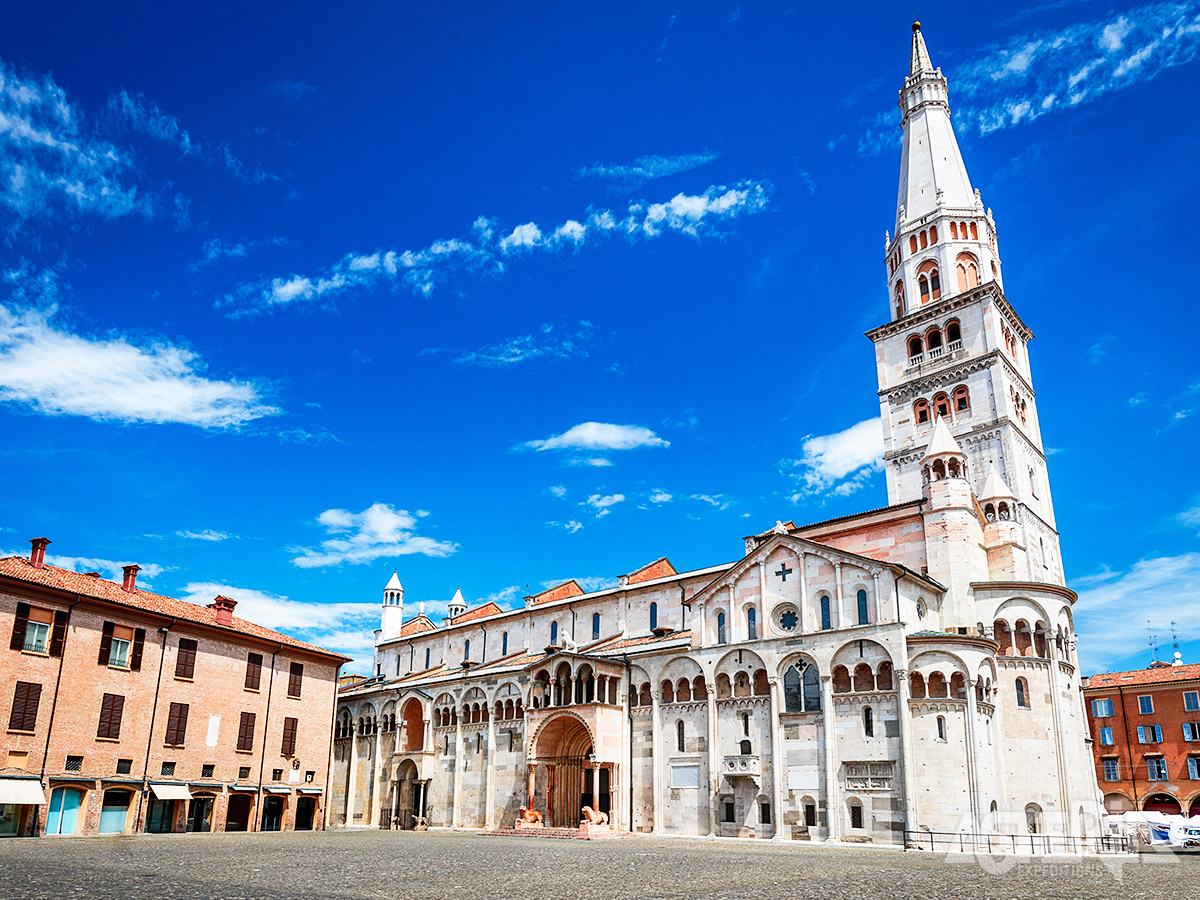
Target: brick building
column 127, row 711
column 1145, row 729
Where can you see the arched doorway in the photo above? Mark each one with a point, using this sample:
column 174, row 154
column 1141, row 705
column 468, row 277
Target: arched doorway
column 237, row 817
column 1117, row 803
column 563, row 746
column 114, row 813
column 306, row 813
column 64, row 811
column 1162, row 803
column 273, row 807
column 414, row 726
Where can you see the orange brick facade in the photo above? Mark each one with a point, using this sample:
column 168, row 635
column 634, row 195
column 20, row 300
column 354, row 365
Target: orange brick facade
column 100, row 755
column 1149, row 770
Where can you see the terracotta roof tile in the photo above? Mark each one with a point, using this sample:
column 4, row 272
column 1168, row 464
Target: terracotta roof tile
column 416, row 625
column 20, row 569
column 558, row 592
column 646, row 639
column 488, row 609
column 1157, row 675
column 660, row 568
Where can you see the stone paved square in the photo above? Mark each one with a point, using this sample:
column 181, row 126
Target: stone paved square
column 412, row 866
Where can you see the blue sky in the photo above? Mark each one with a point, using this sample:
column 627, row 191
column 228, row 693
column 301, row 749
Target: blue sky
column 499, row 297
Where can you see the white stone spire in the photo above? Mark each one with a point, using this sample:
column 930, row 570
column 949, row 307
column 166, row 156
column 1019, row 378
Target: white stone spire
column 942, row 443
column 457, row 605
column 920, row 53
column 393, row 609
column 995, row 487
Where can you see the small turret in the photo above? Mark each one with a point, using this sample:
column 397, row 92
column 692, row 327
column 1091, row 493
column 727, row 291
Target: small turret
column 456, row 607
column 1002, row 533
column 393, row 609
column 997, row 499
column 944, row 459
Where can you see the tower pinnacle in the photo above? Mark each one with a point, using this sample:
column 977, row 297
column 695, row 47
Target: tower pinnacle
column 920, row 53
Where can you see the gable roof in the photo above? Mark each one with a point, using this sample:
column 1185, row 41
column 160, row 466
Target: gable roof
column 20, row 569
column 660, row 568
column 1156, row 675
column 488, row 609
column 558, row 592
column 416, row 625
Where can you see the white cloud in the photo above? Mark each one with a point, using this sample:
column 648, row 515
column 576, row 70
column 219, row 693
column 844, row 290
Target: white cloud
column 600, row 436
column 603, row 503
column 658, row 496
column 379, row 531
column 855, row 453
column 717, row 501
column 645, row 168
column 570, row 526
column 422, row 270
column 143, row 116
column 56, row 372
column 215, row 250
column 525, row 348
column 556, row 490
column 595, row 462
column 207, row 535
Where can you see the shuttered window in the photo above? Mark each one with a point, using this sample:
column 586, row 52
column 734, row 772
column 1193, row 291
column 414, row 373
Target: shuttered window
column 185, row 659
column 38, row 630
column 253, row 671
column 246, row 732
column 58, row 636
column 17, row 641
column 177, row 723
column 25, row 706
column 111, row 708
column 295, row 678
column 289, row 737
column 121, row 647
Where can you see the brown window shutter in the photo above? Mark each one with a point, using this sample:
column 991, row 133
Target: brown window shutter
column 135, row 655
column 105, row 717
column 177, row 723
column 25, row 706
column 58, row 636
column 17, row 642
column 289, row 736
column 172, row 720
column 246, row 732
column 295, row 679
column 185, row 661
column 111, row 708
column 106, row 643
column 254, row 671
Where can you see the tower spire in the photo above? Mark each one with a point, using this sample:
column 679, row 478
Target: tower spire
column 920, row 53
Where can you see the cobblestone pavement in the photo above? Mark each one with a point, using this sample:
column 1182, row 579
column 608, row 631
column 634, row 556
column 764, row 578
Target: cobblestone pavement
column 353, row 865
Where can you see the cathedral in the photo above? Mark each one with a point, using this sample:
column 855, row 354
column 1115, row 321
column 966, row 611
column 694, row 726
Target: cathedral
column 872, row 678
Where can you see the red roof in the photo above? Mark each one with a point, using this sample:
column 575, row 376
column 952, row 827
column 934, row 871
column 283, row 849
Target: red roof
column 1157, row 675
column 646, row 639
column 416, row 625
column 559, row 592
column 18, row 568
column 488, row 609
column 660, row 568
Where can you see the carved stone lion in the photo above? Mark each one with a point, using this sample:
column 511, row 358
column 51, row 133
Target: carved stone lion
column 529, row 816
column 594, row 817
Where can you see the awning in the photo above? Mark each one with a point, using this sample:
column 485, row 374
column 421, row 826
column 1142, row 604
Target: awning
column 22, row 791
column 311, row 790
column 277, row 790
column 171, row 791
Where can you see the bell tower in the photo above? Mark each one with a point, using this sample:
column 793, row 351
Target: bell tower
column 955, row 350
column 392, row 617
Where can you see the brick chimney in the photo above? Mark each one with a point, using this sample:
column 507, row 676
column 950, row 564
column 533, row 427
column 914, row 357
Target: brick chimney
column 37, row 556
column 224, row 609
column 129, row 583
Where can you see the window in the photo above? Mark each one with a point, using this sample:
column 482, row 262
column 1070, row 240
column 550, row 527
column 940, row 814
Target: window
column 1106, row 737
column 921, row 412
column 243, row 772
column 595, row 626
column 764, row 813
column 933, row 340
column 504, row 644
column 295, row 679
column 26, row 696
column 206, row 770
column 1191, row 731
column 1033, row 818
column 427, row 657
column 1191, row 701
column 653, row 616
column 810, row 814
column 177, row 718
column 121, row 647
column 751, row 624
column 1194, row 768
column 953, row 332
column 868, row 722
column 1156, row 768
column 727, row 812
column 746, row 723
column 721, row 628
column 941, row 728
column 826, row 616
column 1102, row 708
column 553, row 634
column 862, row 608
column 1146, row 705
column 679, row 736
column 856, row 815
column 124, row 766
column 168, row 769
column 915, row 348
column 111, row 708
column 38, row 630
column 962, row 399
column 1111, row 770
column 1022, row 694
column 941, row 406
column 277, row 774
column 788, row 620
column 245, row 739
column 1149, row 734
column 253, row 671
column 288, row 748
column 185, row 659
column 467, row 648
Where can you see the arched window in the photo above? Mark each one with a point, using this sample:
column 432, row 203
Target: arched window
column 826, row 616
column 868, row 722
column 921, row 412
column 666, row 692
column 912, row 244
column 679, row 735
column 801, row 689
column 935, row 284
column 721, row 628
column 504, row 644
column 595, row 626
column 933, row 234
column 941, row 405
column 856, row 814
column 1033, row 818
column 962, row 399
column 924, row 240
column 953, row 332
column 427, row 657
column 941, row 728
column 899, row 295
column 967, row 270
column 974, row 232
column 915, row 348
column 923, row 282
column 1022, row 693
column 653, row 616
column 467, row 649
column 862, row 608
column 954, row 231
column 933, row 340
column 751, row 624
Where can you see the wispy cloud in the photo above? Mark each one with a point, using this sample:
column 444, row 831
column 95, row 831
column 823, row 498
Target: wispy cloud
column 602, row 504
column 599, row 436
column 216, row 250
column 544, row 344
column 595, row 462
column 292, row 93
column 717, row 501
column 570, row 526
column 486, row 250
column 379, row 531
column 644, row 169
column 207, row 535
column 839, row 463
column 53, row 371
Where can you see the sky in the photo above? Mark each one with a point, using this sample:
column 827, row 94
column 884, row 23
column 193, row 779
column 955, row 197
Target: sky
column 291, row 298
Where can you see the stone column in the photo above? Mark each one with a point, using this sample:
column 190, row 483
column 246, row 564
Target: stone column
column 458, row 768
column 352, row 783
column 427, row 732
column 803, row 604
column 714, row 759
column 833, row 806
column 489, row 806
column 532, row 784
column 1056, row 713
column 762, row 596
column 656, row 771
column 778, row 771
column 907, row 775
column 837, row 580
column 700, row 626
column 878, row 599
column 376, row 778
column 973, row 762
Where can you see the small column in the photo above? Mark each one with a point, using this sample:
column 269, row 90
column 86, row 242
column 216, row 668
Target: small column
column 907, row 776
column 376, row 777
column 714, row 759
column 700, row 627
column 777, row 772
column 972, row 762
column 837, row 578
column 571, row 688
column 656, row 776
column 352, row 786
column 532, row 784
column 458, row 767
column 878, row 600
column 833, row 808
column 801, row 559
column 762, row 595
column 489, row 806
column 595, row 804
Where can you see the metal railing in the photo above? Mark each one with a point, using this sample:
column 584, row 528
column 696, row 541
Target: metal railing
column 1018, row 844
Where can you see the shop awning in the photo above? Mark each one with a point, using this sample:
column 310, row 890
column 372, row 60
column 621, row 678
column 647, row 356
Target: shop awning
column 22, row 791
column 311, row 790
column 171, row 791
column 277, row 790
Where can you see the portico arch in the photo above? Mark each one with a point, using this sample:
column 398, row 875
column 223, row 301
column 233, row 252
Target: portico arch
column 561, row 757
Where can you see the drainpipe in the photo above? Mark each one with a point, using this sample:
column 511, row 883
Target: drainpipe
column 484, row 630
column 629, row 715
column 337, row 673
column 164, row 631
column 412, row 655
column 1128, row 746
column 262, row 759
column 57, row 681
column 571, row 610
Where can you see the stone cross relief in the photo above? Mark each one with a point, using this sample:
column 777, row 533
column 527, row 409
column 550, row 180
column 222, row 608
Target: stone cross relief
column 784, row 571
